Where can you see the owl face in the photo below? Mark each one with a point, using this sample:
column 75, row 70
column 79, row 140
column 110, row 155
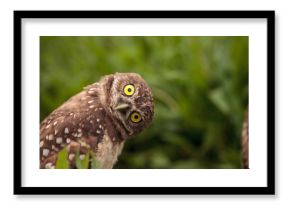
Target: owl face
column 131, row 102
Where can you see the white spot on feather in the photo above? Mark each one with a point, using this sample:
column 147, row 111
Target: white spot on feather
column 48, row 165
column 41, row 143
column 58, row 140
column 50, row 137
column 68, row 140
column 82, row 157
column 45, row 152
column 66, row 130
column 71, row 156
column 91, row 101
column 83, row 144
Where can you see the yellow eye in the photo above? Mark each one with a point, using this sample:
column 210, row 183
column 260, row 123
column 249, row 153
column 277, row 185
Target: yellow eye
column 129, row 90
column 135, row 117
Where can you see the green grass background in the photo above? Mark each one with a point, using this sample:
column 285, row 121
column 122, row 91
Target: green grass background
column 200, row 87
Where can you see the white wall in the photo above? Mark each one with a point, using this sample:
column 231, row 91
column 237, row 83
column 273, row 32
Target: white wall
column 282, row 96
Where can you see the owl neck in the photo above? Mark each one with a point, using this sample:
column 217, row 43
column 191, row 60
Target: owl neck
column 117, row 131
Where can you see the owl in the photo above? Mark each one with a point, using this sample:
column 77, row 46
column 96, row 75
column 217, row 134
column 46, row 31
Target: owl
column 97, row 120
column 245, row 142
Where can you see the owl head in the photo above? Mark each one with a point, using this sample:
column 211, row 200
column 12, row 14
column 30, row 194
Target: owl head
column 130, row 101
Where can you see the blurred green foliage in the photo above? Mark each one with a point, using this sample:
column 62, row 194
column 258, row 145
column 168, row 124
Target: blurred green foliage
column 200, row 87
column 84, row 163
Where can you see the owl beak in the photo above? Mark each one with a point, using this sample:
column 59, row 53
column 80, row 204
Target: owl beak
column 122, row 106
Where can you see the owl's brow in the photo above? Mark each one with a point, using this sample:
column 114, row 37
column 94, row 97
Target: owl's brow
column 110, row 82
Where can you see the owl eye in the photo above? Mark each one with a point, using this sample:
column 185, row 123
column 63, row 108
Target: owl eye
column 135, row 117
column 129, row 90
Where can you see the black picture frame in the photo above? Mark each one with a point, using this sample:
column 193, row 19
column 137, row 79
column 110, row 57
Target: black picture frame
column 269, row 189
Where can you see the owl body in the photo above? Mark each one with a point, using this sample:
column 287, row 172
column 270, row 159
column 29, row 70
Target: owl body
column 245, row 142
column 97, row 120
